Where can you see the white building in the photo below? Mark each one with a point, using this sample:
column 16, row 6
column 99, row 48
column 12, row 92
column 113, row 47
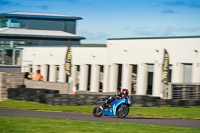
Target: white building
column 119, row 62
column 148, row 53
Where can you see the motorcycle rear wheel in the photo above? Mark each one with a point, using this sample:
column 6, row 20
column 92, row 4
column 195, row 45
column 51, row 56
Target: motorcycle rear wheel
column 121, row 113
column 97, row 112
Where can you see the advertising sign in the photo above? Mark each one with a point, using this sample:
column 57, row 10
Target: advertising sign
column 68, row 59
column 165, row 72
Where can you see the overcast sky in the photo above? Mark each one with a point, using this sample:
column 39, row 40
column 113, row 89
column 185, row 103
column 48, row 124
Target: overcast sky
column 104, row 19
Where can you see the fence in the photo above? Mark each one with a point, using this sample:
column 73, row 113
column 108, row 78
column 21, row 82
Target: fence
column 185, row 91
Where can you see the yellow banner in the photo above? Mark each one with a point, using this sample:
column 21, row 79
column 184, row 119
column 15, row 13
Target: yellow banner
column 165, row 74
column 68, row 60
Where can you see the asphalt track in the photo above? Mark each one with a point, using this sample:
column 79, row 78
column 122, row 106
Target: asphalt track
column 89, row 117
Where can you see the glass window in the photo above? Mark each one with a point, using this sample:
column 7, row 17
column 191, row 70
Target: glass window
column 4, row 44
column 150, row 78
column 9, row 22
column 11, row 44
column 187, row 73
column 2, row 22
column 170, row 73
column 17, row 57
column 12, row 22
column 8, row 57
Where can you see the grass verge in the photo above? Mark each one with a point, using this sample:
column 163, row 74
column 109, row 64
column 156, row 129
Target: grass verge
column 41, row 125
column 164, row 112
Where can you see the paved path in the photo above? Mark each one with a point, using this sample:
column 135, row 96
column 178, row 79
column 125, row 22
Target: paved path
column 89, row 117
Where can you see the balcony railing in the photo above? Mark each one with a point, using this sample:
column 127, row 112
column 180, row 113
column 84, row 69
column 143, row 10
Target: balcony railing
column 183, row 91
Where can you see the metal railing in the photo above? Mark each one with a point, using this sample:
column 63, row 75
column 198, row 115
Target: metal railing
column 185, row 91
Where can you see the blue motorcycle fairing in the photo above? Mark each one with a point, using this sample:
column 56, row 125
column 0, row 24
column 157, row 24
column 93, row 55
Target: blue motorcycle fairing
column 104, row 99
column 113, row 110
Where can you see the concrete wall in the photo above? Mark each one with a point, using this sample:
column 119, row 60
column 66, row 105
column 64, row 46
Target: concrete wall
column 56, row 55
column 10, row 69
column 13, row 80
column 61, row 87
column 3, row 87
column 145, row 50
column 9, row 80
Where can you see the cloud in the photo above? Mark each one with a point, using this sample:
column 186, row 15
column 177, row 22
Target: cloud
column 57, row 1
column 93, row 37
column 72, row 1
column 174, row 3
column 166, row 31
column 142, row 31
column 194, row 5
column 146, row 32
column 168, row 11
column 5, row 2
column 189, row 29
column 11, row 4
column 191, row 3
column 17, row 4
column 43, row 7
column 163, row 31
column 170, row 3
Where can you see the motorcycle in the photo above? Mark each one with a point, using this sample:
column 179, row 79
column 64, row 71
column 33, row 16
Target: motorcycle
column 118, row 107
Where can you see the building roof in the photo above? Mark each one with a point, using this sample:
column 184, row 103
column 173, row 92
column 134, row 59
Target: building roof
column 39, row 15
column 169, row 37
column 93, row 45
column 30, row 33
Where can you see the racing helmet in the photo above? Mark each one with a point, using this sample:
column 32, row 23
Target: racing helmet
column 125, row 92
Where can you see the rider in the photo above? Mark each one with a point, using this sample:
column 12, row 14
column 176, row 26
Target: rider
column 120, row 95
column 124, row 92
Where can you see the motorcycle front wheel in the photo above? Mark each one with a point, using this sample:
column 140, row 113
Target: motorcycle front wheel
column 97, row 112
column 123, row 111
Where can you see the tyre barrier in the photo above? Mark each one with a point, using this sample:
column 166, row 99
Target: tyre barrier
column 53, row 97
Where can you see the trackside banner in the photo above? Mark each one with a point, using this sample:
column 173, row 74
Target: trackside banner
column 165, row 72
column 68, row 59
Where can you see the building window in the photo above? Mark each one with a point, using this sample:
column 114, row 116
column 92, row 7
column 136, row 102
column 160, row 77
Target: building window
column 10, row 57
column 187, row 73
column 150, row 79
column 2, row 22
column 170, row 73
column 9, row 22
column 17, row 57
column 11, row 44
column 134, row 79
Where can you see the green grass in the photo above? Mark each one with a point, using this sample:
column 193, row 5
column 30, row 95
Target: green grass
column 167, row 112
column 41, row 125
column 16, row 104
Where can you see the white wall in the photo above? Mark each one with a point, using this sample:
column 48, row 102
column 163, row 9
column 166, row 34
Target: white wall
column 56, row 55
column 144, row 50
